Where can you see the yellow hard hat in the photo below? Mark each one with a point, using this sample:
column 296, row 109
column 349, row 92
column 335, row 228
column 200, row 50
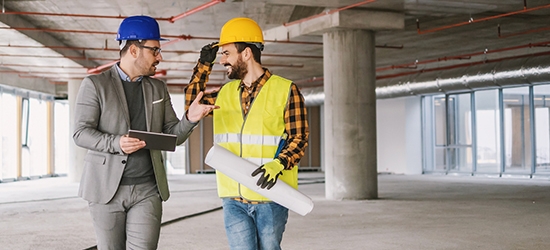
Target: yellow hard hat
column 241, row 29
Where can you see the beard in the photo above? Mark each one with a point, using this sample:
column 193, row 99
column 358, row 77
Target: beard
column 239, row 70
column 146, row 70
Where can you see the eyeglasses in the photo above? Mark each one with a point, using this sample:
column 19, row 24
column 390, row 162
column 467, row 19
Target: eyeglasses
column 156, row 50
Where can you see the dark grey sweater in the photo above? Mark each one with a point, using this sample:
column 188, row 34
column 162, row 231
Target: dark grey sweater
column 139, row 168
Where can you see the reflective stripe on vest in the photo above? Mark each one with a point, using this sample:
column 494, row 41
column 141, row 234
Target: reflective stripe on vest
column 254, row 137
column 248, row 139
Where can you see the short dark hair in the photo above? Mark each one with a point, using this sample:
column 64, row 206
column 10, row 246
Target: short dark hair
column 256, row 53
column 128, row 43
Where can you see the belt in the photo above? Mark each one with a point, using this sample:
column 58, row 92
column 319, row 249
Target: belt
column 245, row 201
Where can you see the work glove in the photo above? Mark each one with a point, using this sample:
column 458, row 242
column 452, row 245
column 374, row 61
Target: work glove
column 270, row 173
column 208, row 53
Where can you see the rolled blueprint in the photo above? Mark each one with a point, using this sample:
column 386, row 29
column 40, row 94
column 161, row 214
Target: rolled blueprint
column 240, row 170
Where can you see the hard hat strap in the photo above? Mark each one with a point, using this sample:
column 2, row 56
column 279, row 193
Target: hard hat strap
column 258, row 45
column 123, row 43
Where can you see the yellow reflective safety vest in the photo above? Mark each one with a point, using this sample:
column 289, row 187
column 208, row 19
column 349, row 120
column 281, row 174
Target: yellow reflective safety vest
column 254, row 137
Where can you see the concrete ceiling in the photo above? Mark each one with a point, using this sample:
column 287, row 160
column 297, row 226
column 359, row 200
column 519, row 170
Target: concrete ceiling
column 60, row 41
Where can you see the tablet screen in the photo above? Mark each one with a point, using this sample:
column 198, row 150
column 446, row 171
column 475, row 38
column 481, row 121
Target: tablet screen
column 155, row 141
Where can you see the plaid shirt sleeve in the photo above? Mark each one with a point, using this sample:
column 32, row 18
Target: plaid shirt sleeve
column 198, row 83
column 296, row 128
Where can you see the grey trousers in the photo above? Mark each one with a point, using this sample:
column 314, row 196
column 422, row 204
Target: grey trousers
column 131, row 220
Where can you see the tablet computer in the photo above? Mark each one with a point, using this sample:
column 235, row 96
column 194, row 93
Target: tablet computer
column 155, row 141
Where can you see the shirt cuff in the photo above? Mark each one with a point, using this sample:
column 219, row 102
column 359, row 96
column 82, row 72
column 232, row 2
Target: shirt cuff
column 284, row 162
column 187, row 119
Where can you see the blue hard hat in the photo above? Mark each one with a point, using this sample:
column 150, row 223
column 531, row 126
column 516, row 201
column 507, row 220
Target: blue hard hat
column 139, row 28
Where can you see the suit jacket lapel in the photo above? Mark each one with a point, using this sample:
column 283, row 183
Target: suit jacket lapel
column 148, row 97
column 119, row 89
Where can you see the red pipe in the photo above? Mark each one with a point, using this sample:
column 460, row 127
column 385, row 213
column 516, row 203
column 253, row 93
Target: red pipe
column 30, row 73
column 525, row 10
column 40, row 66
column 195, row 10
column 313, row 79
column 163, row 51
column 59, row 57
column 463, row 56
column 171, row 19
column 40, row 72
column 71, row 15
column 98, row 69
column 521, row 33
column 462, row 65
column 329, row 12
column 180, row 37
column 60, row 31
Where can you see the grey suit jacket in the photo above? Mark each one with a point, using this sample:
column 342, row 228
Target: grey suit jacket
column 102, row 117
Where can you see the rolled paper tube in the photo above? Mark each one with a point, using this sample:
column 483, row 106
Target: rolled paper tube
column 240, row 170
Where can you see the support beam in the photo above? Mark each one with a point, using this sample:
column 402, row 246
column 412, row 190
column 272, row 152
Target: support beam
column 350, row 115
column 40, row 85
column 347, row 19
column 350, row 98
column 18, row 134
column 50, row 141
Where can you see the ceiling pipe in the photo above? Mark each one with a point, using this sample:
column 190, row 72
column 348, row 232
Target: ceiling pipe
column 310, row 80
column 531, row 71
column 410, row 65
column 171, row 19
column 58, row 57
column 30, row 13
column 519, row 71
column 160, row 73
column 525, row 10
column 328, row 12
column 40, row 66
column 522, row 32
column 462, row 56
column 175, row 37
column 514, row 70
column 163, row 51
column 40, row 72
column 59, row 30
column 195, row 10
column 99, row 69
column 58, row 47
column 463, row 65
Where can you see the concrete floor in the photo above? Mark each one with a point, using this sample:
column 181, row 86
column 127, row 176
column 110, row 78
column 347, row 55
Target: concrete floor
column 413, row 212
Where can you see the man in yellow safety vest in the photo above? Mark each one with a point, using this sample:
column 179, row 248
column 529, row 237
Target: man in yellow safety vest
column 262, row 118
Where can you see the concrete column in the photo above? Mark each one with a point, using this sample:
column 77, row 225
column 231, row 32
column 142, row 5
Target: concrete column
column 76, row 154
column 18, row 139
column 350, row 114
column 50, row 128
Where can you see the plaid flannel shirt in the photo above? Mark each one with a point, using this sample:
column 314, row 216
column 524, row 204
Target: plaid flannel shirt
column 296, row 126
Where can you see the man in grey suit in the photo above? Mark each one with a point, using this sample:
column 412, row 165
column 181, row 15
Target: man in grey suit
column 124, row 183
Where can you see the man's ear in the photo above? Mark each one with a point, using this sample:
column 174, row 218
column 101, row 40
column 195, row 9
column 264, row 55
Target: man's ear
column 134, row 50
column 247, row 54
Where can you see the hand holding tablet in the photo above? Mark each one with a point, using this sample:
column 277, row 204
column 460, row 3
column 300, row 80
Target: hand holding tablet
column 155, row 141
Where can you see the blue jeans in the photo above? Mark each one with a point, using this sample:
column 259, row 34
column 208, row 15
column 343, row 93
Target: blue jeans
column 254, row 226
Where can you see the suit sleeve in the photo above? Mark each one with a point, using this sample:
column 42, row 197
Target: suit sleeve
column 88, row 109
column 172, row 125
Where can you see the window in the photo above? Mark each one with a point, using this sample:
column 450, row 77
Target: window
column 517, row 130
column 8, row 132
column 488, row 131
column 542, row 128
column 451, row 132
